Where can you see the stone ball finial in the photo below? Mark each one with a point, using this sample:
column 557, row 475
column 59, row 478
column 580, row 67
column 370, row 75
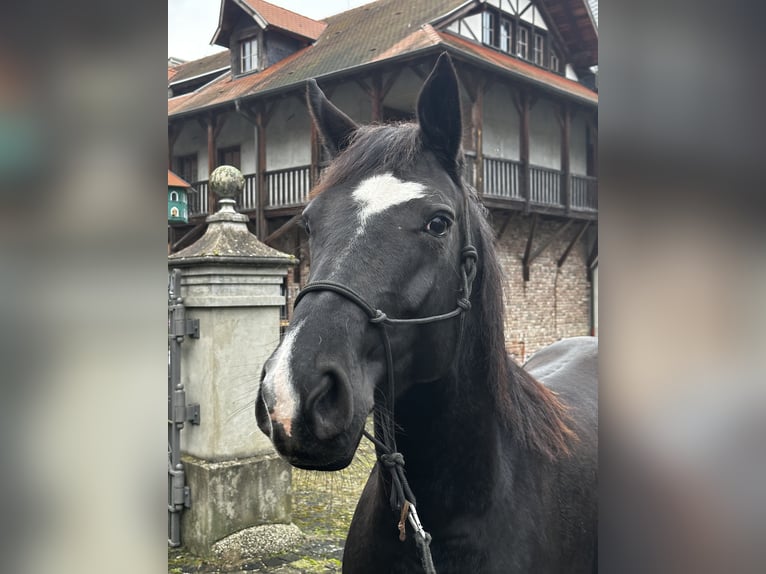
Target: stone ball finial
column 227, row 182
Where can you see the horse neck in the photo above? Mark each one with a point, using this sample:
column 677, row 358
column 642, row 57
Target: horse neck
column 448, row 430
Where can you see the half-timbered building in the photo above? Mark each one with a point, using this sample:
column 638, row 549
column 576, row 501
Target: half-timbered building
column 530, row 128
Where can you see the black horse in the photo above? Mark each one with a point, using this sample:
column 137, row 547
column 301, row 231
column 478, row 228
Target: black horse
column 503, row 467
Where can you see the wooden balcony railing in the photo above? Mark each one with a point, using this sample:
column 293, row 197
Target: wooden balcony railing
column 584, row 190
column 503, row 179
column 288, row 187
column 545, row 186
column 198, row 201
column 248, row 199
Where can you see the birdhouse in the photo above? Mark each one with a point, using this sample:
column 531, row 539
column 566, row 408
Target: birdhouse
column 178, row 205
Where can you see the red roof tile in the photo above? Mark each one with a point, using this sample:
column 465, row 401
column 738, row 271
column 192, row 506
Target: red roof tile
column 175, row 181
column 286, row 20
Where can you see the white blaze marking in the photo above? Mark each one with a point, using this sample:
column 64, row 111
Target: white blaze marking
column 378, row 193
column 280, row 380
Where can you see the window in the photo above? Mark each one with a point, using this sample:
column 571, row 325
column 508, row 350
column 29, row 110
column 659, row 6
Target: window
column 554, row 61
column 173, row 212
column 173, row 196
column 505, row 35
column 229, row 156
column 538, row 50
column 488, row 24
column 522, row 46
column 186, row 167
column 248, row 55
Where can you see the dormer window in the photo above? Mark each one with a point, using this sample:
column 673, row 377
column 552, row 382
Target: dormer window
column 538, row 50
column 522, row 46
column 554, row 62
column 488, row 20
column 505, row 35
column 248, row 55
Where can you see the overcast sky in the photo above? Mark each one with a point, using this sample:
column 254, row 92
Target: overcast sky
column 192, row 23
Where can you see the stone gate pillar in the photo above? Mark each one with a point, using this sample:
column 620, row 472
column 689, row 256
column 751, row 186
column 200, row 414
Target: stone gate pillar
column 233, row 284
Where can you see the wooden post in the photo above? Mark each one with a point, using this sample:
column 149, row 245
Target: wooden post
column 260, row 168
column 566, row 121
column 174, row 130
column 522, row 106
column 211, row 160
column 376, row 98
column 314, row 169
column 477, row 121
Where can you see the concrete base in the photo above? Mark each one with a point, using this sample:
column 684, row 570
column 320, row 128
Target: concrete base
column 229, row 496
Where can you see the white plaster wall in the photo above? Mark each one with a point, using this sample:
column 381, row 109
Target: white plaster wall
column 501, row 124
column 288, row 135
column 404, row 93
column 533, row 16
column 578, row 158
column 193, row 140
column 238, row 131
column 350, row 98
column 474, row 23
column 544, row 135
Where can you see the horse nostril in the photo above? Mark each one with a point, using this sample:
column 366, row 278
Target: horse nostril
column 328, row 406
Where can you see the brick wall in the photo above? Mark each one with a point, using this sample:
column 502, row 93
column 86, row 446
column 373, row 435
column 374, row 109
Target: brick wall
column 554, row 303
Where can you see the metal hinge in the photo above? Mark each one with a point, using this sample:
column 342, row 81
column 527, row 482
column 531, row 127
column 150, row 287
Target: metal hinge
column 187, row 497
column 185, row 327
column 183, row 413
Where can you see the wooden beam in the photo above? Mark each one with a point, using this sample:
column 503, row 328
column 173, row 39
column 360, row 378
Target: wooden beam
column 363, row 86
column 189, row 237
column 315, row 154
column 390, row 81
column 477, row 127
column 592, row 260
column 376, row 98
column 566, row 121
column 523, row 107
column 282, row 229
column 528, row 249
column 560, row 231
column 174, row 130
column 261, row 120
column 503, row 228
column 575, row 239
column 211, row 161
column 268, row 112
column 245, row 111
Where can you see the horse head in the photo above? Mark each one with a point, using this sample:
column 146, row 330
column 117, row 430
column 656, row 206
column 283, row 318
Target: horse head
column 387, row 221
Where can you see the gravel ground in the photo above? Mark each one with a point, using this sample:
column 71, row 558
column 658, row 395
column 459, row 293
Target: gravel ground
column 323, row 504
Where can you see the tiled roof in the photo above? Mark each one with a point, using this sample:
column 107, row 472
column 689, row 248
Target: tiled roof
column 286, row 20
column 205, row 65
column 175, row 181
column 365, row 35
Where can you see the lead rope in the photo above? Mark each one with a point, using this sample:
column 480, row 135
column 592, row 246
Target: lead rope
column 402, row 499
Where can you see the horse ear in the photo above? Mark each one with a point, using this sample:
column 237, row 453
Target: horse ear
column 439, row 112
column 335, row 127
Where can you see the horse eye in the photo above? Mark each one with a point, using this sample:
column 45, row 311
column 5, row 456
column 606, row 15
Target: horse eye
column 305, row 225
column 438, row 226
